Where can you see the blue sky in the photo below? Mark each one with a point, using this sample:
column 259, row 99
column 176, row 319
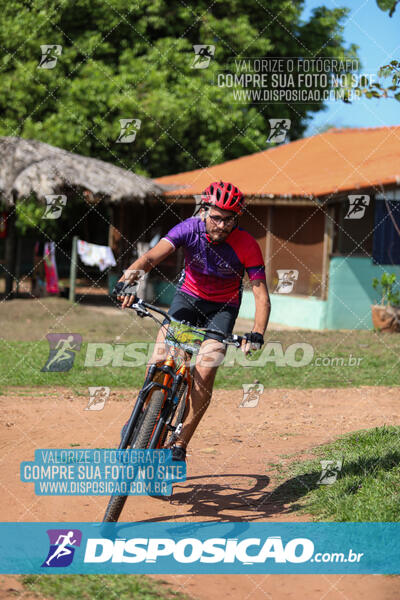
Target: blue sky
column 378, row 38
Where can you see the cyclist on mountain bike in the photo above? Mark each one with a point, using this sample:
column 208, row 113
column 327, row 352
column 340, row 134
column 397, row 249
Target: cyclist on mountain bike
column 209, row 291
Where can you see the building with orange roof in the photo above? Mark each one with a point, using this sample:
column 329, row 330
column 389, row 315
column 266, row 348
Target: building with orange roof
column 327, row 207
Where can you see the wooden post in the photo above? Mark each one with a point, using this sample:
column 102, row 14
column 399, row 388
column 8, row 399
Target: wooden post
column 18, row 265
column 73, row 268
column 327, row 249
column 10, row 252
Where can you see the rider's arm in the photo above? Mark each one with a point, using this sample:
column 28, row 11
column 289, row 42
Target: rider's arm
column 263, row 309
column 263, row 305
column 151, row 258
column 255, row 267
column 253, row 261
column 145, row 263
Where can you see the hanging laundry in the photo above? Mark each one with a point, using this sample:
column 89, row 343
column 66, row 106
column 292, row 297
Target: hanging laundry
column 50, row 268
column 94, row 255
column 3, row 224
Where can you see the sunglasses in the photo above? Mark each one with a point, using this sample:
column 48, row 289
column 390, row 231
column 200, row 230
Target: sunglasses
column 226, row 221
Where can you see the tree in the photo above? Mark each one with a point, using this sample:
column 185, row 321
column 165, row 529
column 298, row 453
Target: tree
column 122, row 60
column 390, row 71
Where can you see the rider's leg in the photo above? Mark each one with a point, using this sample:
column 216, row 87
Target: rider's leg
column 209, row 358
column 160, row 349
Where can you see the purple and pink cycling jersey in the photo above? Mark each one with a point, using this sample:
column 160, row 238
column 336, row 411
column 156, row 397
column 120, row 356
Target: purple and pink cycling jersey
column 215, row 271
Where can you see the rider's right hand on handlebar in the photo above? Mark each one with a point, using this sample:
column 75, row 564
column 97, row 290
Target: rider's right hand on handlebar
column 125, row 292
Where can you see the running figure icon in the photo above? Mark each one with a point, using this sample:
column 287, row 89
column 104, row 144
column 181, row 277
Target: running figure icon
column 62, row 549
column 63, row 544
column 63, row 348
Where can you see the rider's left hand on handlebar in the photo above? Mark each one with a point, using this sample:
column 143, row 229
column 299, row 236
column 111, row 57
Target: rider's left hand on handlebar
column 245, row 347
column 253, row 341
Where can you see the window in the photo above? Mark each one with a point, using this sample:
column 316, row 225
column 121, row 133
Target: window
column 386, row 247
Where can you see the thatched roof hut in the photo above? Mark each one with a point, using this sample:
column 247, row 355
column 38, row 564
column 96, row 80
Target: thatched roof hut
column 30, row 166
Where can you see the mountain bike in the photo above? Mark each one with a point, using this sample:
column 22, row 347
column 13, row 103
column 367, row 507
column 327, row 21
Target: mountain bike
column 160, row 406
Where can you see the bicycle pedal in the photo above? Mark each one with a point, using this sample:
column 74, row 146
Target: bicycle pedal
column 178, row 453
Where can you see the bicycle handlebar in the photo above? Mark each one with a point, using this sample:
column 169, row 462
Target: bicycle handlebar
column 142, row 309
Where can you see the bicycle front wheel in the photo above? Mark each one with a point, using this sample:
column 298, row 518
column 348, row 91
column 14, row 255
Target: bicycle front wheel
column 142, row 440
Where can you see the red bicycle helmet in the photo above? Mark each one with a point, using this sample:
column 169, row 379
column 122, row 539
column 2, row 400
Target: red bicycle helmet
column 224, row 195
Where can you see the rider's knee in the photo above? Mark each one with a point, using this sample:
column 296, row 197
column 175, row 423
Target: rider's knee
column 211, row 354
column 159, row 353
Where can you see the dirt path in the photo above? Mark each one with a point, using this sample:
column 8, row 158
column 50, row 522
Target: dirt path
column 228, row 473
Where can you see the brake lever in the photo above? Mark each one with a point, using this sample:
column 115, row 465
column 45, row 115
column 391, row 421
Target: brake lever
column 141, row 312
column 237, row 344
column 233, row 341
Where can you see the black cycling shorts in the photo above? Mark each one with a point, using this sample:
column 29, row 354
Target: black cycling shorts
column 203, row 313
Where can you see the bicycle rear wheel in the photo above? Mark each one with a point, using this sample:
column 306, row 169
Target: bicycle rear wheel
column 142, row 440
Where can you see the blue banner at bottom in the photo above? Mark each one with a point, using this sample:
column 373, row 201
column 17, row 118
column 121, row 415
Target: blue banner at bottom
column 202, row 548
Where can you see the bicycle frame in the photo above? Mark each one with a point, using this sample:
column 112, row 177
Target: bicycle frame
column 172, row 381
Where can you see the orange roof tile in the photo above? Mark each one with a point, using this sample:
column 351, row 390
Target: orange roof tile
column 337, row 160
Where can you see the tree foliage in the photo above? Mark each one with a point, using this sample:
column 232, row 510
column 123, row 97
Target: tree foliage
column 378, row 89
column 391, row 71
column 388, row 5
column 123, row 59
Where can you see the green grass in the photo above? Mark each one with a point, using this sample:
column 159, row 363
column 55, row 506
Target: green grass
column 21, row 363
column 24, row 350
column 367, row 487
column 86, row 587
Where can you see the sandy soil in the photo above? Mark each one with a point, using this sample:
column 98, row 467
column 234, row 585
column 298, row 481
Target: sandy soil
column 229, row 477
